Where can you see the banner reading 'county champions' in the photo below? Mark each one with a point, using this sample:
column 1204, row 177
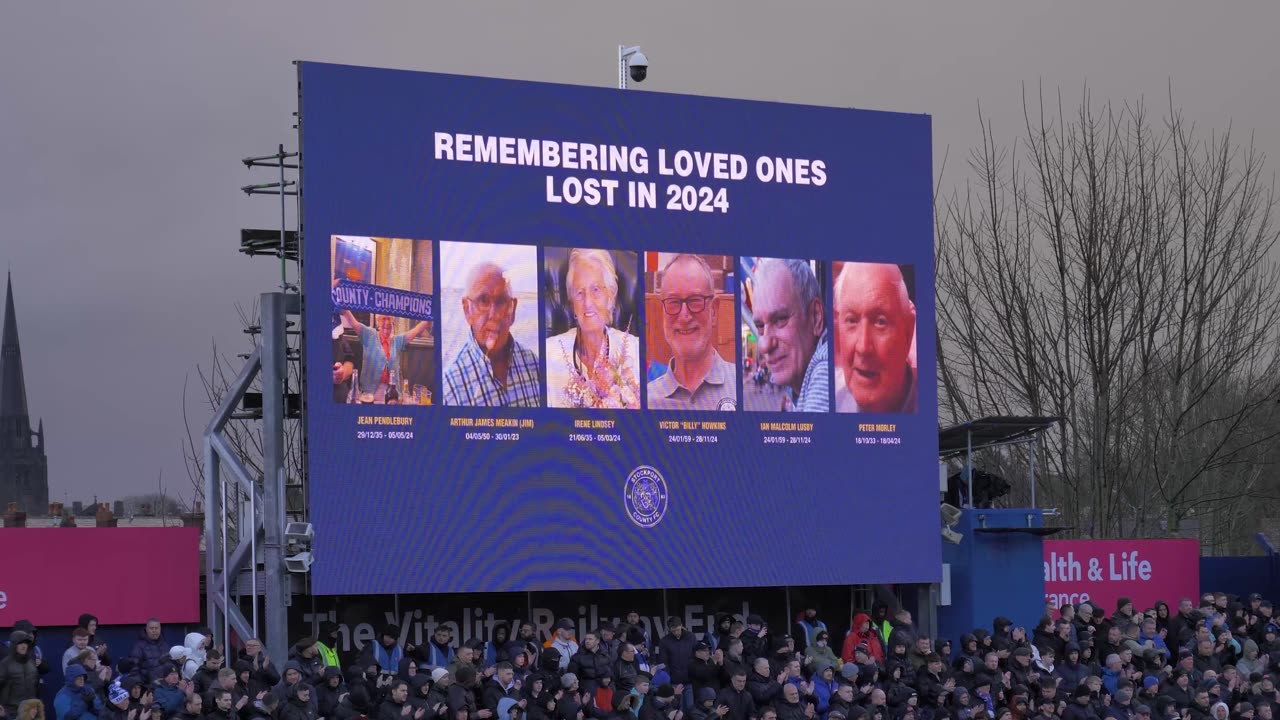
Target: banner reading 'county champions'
column 575, row 338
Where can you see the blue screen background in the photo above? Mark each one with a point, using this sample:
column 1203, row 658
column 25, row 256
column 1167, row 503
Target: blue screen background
column 441, row 514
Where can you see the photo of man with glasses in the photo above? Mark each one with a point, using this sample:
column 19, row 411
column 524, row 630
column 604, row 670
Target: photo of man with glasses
column 690, row 300
column 488, row 366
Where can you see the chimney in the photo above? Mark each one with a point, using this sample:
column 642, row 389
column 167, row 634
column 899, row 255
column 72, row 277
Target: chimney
column 55, row 509
column 104, row 516
column 68, row 520
column 13, row 517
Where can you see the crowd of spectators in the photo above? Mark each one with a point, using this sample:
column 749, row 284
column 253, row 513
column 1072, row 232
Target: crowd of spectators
column 1213, row 660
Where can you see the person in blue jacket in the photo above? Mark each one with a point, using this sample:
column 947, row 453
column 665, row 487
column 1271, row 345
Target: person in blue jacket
column 75, row 701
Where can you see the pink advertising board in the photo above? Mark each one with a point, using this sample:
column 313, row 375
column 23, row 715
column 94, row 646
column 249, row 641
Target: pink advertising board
column 1102, row 571
column 123, row 575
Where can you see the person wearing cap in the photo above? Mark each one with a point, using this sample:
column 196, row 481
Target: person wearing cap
column 704, row 671
column 563, row 641
column 19, row 674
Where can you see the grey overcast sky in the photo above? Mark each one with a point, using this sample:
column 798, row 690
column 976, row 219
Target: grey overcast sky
column 122, row 124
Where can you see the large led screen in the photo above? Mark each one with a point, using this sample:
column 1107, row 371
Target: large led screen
column 566, row 337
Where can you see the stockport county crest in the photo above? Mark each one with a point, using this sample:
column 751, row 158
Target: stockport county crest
column 645, row 496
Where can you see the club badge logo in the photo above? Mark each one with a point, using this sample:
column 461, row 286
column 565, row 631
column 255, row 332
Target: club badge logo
column 645, row 496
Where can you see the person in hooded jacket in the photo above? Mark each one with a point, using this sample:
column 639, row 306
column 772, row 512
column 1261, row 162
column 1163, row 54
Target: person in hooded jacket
column 196, row 645
column 1070, row 672
column 76, row 701
column 292, row 678
column 861, row 632
column 421, row 697
column 301, row 704
column 963, row 671
column 89, row 622
column 704, row 705
column 537, row 701
column 823, row 688
column 720, row 630
column 19, row 675
column 329, row 692
column 819, row 652
column 495, row 651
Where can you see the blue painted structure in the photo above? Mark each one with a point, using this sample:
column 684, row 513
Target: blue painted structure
column 994, row 573
column 1241, row 575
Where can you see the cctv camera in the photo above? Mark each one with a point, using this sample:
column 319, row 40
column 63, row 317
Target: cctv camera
column 639, row 66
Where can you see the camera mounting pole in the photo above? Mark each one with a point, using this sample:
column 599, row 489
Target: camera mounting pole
column 624, row 55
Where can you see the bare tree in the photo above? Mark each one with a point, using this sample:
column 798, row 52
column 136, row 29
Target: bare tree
column 245, row 436
column 1118, row 273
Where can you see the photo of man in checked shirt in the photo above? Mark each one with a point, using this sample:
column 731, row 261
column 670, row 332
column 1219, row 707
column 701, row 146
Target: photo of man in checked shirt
column 490, row 368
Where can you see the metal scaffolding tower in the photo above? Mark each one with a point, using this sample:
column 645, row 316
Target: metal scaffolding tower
column 248, row 536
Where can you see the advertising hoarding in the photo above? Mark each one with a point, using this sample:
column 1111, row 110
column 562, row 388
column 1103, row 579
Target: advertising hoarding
column 1103, row 571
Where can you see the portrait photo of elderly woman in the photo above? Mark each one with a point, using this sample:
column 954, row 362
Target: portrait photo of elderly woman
column 592, row 352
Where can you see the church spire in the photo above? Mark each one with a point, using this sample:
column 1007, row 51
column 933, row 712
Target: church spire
column 13, row 389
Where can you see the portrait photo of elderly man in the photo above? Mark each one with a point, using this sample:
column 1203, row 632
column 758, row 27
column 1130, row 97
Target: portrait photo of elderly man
column 687, row 352
column 490, row 313
column 785, row 346
column 875, row 331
